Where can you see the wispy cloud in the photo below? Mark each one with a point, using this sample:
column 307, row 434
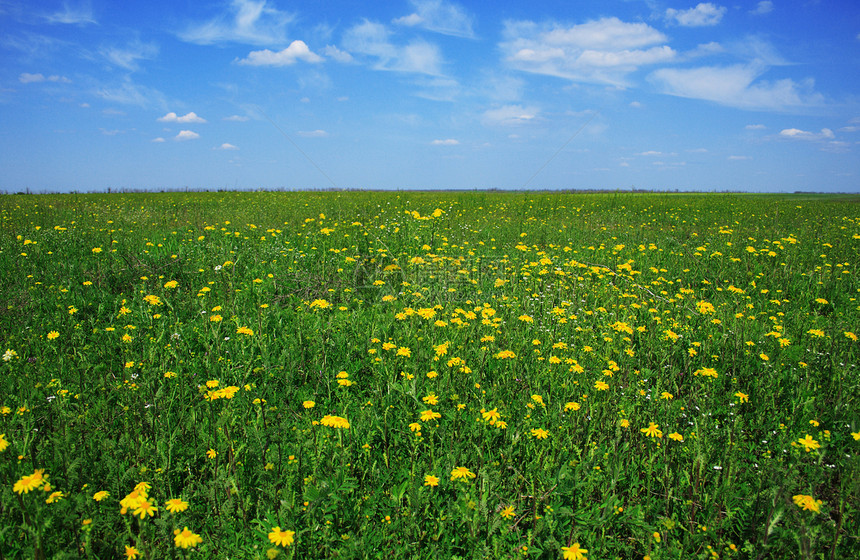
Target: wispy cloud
column 237, row 118
column 313, row 133
column 27, row 78
column 297, row 50
column 187, row 118
column 704, row 14
column 601, row 51
column 253, row 22
column 186, row 135
column 446, row 142
column 438, row 16
column 80, row 14
column 372, row 39
column 335, row 53
column 510, row 115
column 130, row 93
column 226, row 146
column 128, row 57
column 738, row 86
column 763, row 7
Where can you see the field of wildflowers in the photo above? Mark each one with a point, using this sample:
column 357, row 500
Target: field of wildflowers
column 429, row 375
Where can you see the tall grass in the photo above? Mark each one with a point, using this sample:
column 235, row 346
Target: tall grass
column 429, row 375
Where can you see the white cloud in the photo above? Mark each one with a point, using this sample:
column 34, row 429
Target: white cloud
column 510, row 115
column 636, row 104
column 297, row 50
column 656, row 153
column 703, row 14
column 252, row 22
column 159, row 140
column 602, row 51
column 737, row 86
column 441, row 17
column 237, row 118
column 335, row 53
column 763, row 7
column 797, row 134
column 129, row 56
column 755, row 127
column 313, row 133
column 188, row 118
column 739, row 158
column 27, row 78
column 186, row 135
column 446, row 142
column 81, row 14
column 226, row 146
column 372, row 39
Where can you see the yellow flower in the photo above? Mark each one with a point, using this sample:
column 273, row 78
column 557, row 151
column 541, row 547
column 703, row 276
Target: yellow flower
column 676, row 436
column 334, row 422
column 601, row 386
column 652, row 430
column 574, row 406
column 428, row 415
column 431, row 399
column 176, row 505
column 144, row 508
column 404, row 351
column 3, row 442
column 625, row 423
column 245, row 330
column 539, row 433
column 211, row 453
column 170, row 285
column 131, row 552
column 54, row 497
column 491, row 416
column 507, row 512
column 742, row 397
column 706, row 372
column 574, row 552
column 30, row 482
column 309, row 404
column 461, row 473
column 53, row 334
column 807, row 503
column 856, row 436
column 430, row 480
column 281, row 538
column 808, row 443
column 185, row 538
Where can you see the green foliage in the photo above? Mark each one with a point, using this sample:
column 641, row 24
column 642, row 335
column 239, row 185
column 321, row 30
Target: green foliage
column 431, row 375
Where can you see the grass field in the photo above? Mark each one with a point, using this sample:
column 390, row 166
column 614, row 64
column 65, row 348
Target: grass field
column 429, row 375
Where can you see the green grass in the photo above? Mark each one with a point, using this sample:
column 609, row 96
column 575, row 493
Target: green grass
column 525, row 341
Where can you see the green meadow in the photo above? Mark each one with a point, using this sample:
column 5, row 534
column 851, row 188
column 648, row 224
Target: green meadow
column 429, row 375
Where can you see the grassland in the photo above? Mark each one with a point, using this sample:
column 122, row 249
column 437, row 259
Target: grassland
column 429, row 375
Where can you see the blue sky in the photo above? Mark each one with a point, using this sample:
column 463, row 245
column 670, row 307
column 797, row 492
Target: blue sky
column 425, row 94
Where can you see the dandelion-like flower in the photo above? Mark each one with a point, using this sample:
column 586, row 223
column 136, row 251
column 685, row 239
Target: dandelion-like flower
column 176, row 505
column 574, row 552
column 808, row 443
column 507, row 512
column 186, row 538
column 334, row 422
column 807, row 503
column 461, row 473
column 652, row 430
column 30, row 482
column 281, row 538
column 431, row 480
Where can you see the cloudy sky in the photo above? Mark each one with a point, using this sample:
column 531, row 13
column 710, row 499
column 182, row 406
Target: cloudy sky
column 647, row 94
